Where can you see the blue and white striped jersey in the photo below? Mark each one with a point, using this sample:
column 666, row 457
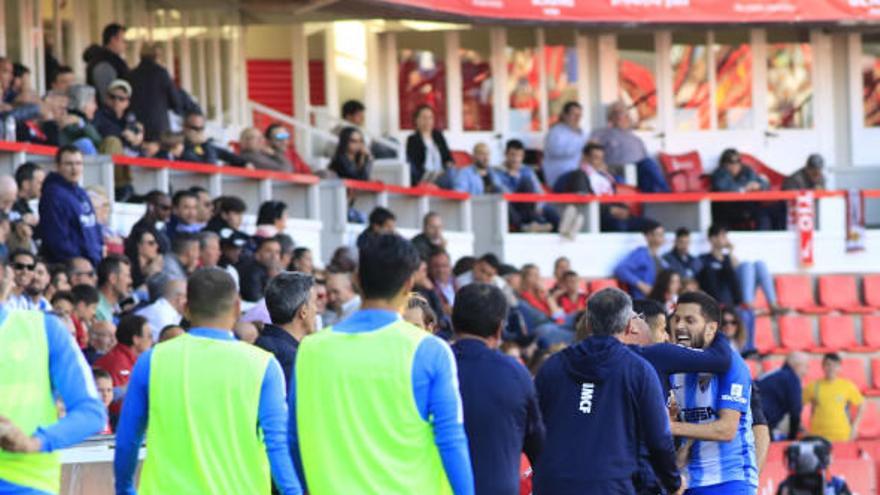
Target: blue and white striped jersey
column 701, row 397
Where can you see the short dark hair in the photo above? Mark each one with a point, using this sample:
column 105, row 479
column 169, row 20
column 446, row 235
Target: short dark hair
column 63, row 295
column 491, row 260
column 709, row 307
column 479, row 309
column 26, row 172
column 682, row 232
column 380, row 215
column 271, row 128
column 286, row 242
column 60, row 71
column 182, row 241
column 210, row 292
column 21, row 252
column 62, row 150
column 569, row 106
column 729, row 155
column 514, row 144
column 85, row 294
column 716, row 229
column 300, row 252
column 181, row 195
column 271, row 211
column 98, row 373
column 832, row 357
column 421, row 108
column 463, row 265
column 649, row 226
column 197, row 190
column 285, row 295
column 262, row 241
column 154, row 196
column 130, row 326
column 570, row 273
column 386, row 262
column 227, row 204
column 110, row 32
column 168, row 328
column 352, row 107
column 109, row 266
column 648, row 307
column 592, row 145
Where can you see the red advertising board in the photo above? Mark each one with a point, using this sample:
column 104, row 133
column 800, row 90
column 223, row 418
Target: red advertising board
column 654, row 11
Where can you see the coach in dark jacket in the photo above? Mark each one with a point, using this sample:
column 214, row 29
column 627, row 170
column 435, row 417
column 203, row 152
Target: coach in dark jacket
column 609, row 400
column 501, row 414
column 153, row 93
column 68, row 225
column 291, row 305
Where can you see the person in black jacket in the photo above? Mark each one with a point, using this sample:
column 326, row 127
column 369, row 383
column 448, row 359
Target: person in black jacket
column 199, row 148
column 255, row 273
column 105, row 63
column 426, row 149
column 153, row 93
column 352, row 159
column 292, row 305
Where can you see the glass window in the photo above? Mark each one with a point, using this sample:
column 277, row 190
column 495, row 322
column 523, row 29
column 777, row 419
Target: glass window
column 690, row 82
column 421, row 76
column 560, row 61
column 789, row 80
column 871, row 79
column 733, row 80
column 636, row 81
column 522, row 80
column 476, row 80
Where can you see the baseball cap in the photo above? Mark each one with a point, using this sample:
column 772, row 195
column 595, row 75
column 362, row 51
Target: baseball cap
column 815, row 161
column 233, row 238
column 120, row 84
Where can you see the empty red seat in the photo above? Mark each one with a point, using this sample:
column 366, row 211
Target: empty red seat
column 765, row 340
column 838, row 333
column 853, row 369
column 754, row 368
column 814, row 370
column 683, row 171
column 845, row 450
column 603, row 283
column 760, row 303
column 461, row 158
column 772, row 475
column 874, row 391
column 869, row 428
column 796, row 334
column 871, row 331
column 796, row 292
column 871, row 286
column 839, row 292
column 860, row 474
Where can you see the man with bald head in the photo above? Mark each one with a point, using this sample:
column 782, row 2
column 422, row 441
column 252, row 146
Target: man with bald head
column 477, row 178
column 102, row 338
column 168, row 308
column 8, row 193
column 782, row 395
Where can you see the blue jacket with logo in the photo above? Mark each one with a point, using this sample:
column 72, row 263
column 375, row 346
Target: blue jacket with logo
column 68, row 225
column 600, row 402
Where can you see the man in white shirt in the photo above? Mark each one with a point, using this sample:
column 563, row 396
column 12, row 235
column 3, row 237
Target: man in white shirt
column 167, row 309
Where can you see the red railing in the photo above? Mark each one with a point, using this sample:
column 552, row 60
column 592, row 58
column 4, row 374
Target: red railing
column 689, row 197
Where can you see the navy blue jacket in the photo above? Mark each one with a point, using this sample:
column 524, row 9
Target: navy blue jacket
column 280, row 343
column 68, row 226
column 600, row 403
column 781, row 394
column 501, row 415
column 688, row 266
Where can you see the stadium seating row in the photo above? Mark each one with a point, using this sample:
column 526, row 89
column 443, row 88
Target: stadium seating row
column 836, row 293
column 851, row 368
column 837, row 333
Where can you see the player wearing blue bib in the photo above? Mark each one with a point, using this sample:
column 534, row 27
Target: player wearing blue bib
column 714, row 409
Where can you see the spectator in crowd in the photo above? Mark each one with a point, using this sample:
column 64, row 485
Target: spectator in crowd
column 426, row 150
column 133, row 337
column 782, row 394
column 302, row 261
column 501, row 414
column 352, row 159
column 68, row 226
column 29, row 285
column 29, row 179
column 62, row 79
column 639, row 268
column 424, row 288
column 8, row 194
column 199, row 148
column 153, row 92
column 654, row 315
column 252, row 149
column 171, row 146
column 205, row 205
column 292, row 308
column 430, row 239
column 732, row 327
column 41, row 361
column 168, row 308
column 405, row 365
column 563, row 144
column 228, row 215
column 113, row 240
column 722, row 436
column 155, row 219
column 342, row 300
column 246, row 331
column 193, row 386
column 535, row 295
column 561, row 265
column 85, row 306
column 58, row 280
column 608, row 398
column 478, row 178
column 104, row 386
column 419, row 312
column 184, row 214
column 442, row 279
column 517, row 178
column 143, row 251
column 114, row 285
column 116, row 120
column 184, row 257
column 622, row 147
column 833, row 400
column 667, row 286
column 808, row 177
column 102, row 338
column 354, row 115
column 170, row 332
column 569, row 296
column 209, row 249
column 271, row 219
column 382, row 221
column 79, row 129
column 278, row 138
column 106, row 63
column 679, row 257
column 232, row 243
column 256, row 273
column 732, row 175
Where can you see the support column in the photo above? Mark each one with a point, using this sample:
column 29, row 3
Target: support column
column 57, row 38
column 500, row 103
column 201, row 54
column 216, row 68
column 80, row 29
column 582, row 48
column 185, row 58
column 331, row 82
column 300, row 65
column 3, row 24
column 454, row 102
column 244, row 107
column 543, row 95
column 166, row 25
column 373, row 84
column 393, row 91
column 26, row 32
column 39, row 40
column 233, row 86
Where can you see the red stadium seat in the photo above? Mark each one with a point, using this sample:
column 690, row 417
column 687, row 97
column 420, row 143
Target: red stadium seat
column 860, row 474
column 765, row 341
column 772, row 363
column 872, row 290
column 796, row 292
column 462, row 158
column 760, row 303
column 754, row 368
column 839, row 292
column 814, row 370
column 838, row 332
column 869, row 428
column 776, row 452
column 845, row 450
column 796, row 334
column 871, row 331
column 773, row 177
column 634, row 208
column 854, row 369
column 772, row 475
column 602, row 283
column 874, row 391
column 683, row 172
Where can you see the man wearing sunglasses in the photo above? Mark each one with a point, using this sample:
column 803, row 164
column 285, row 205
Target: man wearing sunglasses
column 199, row 148
column 27, row 292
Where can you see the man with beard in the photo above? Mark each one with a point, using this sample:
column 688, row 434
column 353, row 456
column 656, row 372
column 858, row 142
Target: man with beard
column 31, row 280
column 714, row 408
